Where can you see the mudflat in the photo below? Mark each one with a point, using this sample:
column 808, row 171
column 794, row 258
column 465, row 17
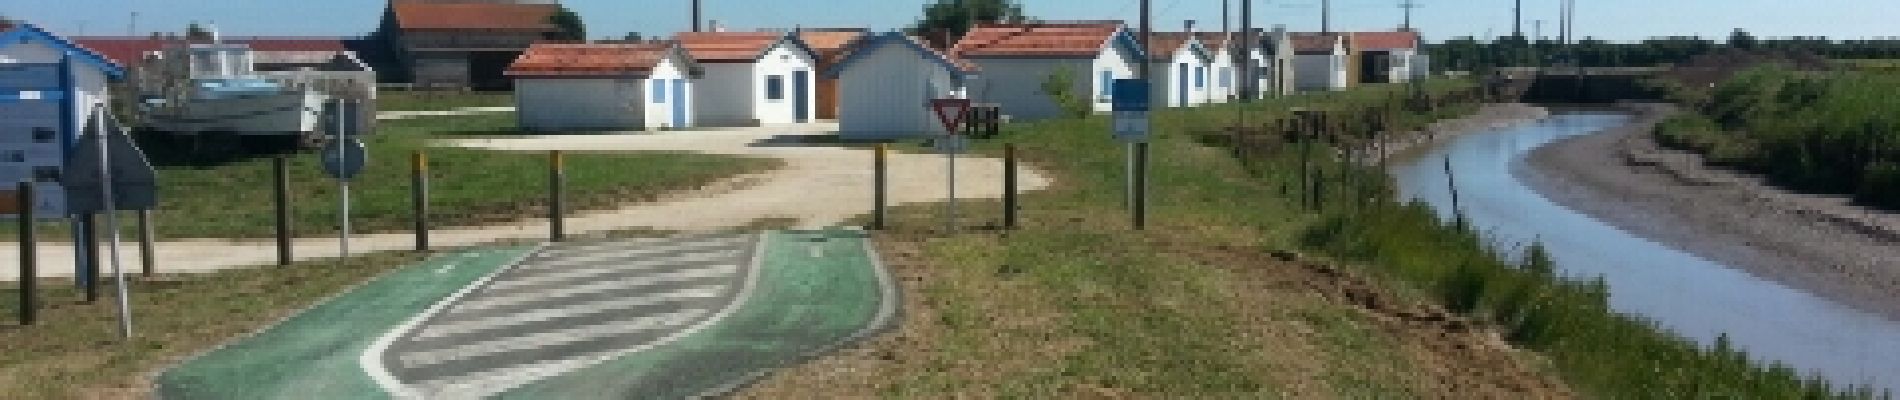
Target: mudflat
column 1821, row 244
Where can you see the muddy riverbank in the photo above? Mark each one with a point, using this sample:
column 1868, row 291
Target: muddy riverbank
column 1819, row 244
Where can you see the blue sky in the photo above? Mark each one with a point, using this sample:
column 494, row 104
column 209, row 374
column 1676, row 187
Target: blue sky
column 1439, row 19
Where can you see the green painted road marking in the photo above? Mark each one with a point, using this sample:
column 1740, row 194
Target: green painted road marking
column 314, row 354
column 810, row 295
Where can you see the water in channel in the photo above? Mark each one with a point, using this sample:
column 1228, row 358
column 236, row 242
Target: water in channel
column 1689, row 295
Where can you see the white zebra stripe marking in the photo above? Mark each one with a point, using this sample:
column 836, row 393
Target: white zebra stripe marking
column 487, row 303
column 647, row 247
column 550, row 338
column 516, row 319
column 564, row 262
column 597, row 270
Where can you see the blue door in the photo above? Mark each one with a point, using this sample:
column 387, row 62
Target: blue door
column 801, row 104
column 1183, row 86
column 679, row 103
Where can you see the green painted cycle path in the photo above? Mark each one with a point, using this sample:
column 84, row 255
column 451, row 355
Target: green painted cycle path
column 314, row 355
column 815, row 291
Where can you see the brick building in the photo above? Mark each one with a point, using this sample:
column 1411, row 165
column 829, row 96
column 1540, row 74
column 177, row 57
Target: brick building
column 462, row 43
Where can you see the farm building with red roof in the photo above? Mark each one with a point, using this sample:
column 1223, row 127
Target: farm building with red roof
column 462, row 43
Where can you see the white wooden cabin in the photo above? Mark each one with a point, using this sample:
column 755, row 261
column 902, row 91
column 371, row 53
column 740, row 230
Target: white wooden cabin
column 886, row 85
column 609, row 86
column 754, row 78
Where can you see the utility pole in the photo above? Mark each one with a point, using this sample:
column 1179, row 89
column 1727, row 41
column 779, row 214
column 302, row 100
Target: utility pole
column 1408, row 6
column 1326, row 16
column 1517, row 19
column 1249, row 85
column 696, row 18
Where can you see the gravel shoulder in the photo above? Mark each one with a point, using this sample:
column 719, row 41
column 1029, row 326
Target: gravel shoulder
column 1820, row 244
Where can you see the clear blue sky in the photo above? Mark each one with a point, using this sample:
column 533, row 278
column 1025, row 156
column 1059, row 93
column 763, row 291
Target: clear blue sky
column 1440, row 19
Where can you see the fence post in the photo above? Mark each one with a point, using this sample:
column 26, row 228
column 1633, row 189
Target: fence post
column 89, row 244
column 419, row 197
column 281, row 171
column 1009, row 186
column 28, row 259
column 555, row 214
column 148, row 256
column 878, row 195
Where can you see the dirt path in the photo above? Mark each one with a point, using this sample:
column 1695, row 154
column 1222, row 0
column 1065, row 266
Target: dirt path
column 1821, row 244
column 395, row 115
column 819, row 186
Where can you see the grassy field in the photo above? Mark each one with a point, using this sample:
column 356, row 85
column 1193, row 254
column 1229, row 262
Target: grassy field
column 440, row 100
column 235, row 199
column 1205, row 304
column 1076, row 305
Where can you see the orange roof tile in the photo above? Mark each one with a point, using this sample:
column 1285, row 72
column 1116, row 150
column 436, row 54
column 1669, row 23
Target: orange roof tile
column 528, row 17
column 728, row 47
column 1314, row 41
column 1162, row 45
column 832, row 45
column 1384, row 40
column 595, row 59
column 1042, row 39
column 1213, row 40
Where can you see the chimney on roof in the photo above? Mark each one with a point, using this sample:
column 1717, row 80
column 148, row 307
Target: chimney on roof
column 716, row 27
column 1187, row 26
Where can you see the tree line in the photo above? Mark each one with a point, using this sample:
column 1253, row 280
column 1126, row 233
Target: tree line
column 1469, row 54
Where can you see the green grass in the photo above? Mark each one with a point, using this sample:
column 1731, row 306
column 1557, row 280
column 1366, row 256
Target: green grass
column 1824, row 132
column 236, row 200
column 1159, row 319
column 440, row 100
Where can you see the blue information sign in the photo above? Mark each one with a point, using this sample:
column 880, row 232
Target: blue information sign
column 1130, row 95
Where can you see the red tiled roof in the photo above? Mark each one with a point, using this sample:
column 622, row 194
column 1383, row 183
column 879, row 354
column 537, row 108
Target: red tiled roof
column 6, row 25
column 832, row 45
column 1162, row 45
column 598, row 59
column 728, row 47
column 1384, row 40
column 1043, row 39
column 130, row 51
column 528, row 17
column 1314, row 41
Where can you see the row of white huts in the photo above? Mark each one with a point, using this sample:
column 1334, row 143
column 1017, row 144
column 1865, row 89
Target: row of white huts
column 878, row 85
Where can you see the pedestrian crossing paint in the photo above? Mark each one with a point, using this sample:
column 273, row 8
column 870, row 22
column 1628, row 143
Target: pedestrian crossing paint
column 567, row 307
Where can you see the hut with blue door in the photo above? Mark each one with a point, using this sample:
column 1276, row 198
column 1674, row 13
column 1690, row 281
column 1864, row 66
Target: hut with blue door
column 604, row 86
column 50, row 89
column 885, row 87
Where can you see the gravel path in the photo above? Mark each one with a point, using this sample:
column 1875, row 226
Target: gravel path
column 819, row 186
column 1820, row 244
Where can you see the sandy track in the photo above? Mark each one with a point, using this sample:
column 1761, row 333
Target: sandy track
column 818, row 186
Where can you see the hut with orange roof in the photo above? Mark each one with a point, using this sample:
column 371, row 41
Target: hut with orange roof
column 1017, row 59
column 604, row 86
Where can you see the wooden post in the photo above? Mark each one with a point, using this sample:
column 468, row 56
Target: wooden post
column 281, row 171
column 555, row 182
column 29, row 260
column 419, row 197
column 878, row 195
column 148, row 257
column 1009, row 186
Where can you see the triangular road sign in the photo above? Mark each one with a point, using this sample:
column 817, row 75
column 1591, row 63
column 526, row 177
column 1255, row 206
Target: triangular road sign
column 951, row 112
column 134, row 183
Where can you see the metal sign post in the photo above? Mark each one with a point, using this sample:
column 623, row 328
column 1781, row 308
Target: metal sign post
column 1130, row 105
column 951, row 113
column 123, row 181
column 343, row 159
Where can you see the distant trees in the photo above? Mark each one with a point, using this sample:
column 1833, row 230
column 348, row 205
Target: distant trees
column 1471, row 54
column 567, row 24
column 196, row 32
column 946, row 21
column 1741, row 40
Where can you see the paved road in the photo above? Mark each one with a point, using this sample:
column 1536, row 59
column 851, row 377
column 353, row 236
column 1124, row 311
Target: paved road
column 566, row 308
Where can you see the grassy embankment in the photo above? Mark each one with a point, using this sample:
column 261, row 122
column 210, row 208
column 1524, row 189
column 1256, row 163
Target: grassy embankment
column 1825, row 132
column 1075, row 304
column 235, row 199
column 440, row 100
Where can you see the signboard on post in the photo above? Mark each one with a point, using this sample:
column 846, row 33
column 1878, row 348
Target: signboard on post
column 344, row 159
column 951, row 112
column 134, row 183
column 1131, row 110
column 36, row 130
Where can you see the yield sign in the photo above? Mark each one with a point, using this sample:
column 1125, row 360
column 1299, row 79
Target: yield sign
column 950, row 112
